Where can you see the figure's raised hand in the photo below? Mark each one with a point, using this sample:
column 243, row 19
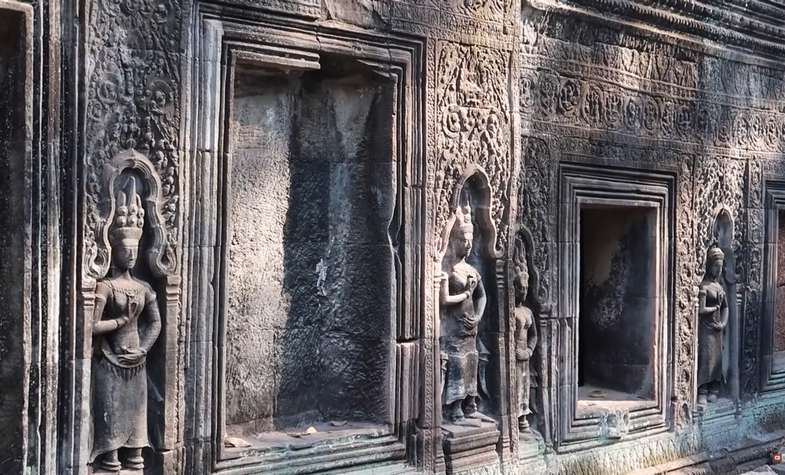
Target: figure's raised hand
column 471, row 283
column 720, row 296
column 469, row 321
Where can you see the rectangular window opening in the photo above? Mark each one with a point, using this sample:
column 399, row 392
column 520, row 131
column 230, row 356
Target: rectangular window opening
column 618, row 307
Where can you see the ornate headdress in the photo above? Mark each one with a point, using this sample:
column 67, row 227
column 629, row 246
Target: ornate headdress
column 129, row 216
column 463, row 216
column 519, row 262
column 714, row 254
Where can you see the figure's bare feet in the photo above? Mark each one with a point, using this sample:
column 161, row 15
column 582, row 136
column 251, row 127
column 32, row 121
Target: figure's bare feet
column 479, row 415
column 110, row 462
column 135, row 461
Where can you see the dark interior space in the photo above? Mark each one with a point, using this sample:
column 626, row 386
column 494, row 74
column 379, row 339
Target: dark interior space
column 617, row 316
column 310, row 278
column 779, row 308
column 13, row 239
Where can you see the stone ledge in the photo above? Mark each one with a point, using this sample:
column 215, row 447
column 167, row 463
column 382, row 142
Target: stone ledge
column 739, row 30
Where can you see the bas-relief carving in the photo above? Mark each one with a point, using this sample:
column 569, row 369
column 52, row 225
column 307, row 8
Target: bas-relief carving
column 712, row 323
column 525, row 334
column 752, row 264
column 559, row 98
column 474, row 20
column 306, row 8
column 473, row 126
column 639, row 73
column 657, row 58
column 470, row 346
column 621, row 82
column 126, row 325
column 745, row 27
column 685, row 292
column 537, row 210
column 462, row 301
column 131, row 91
column 133, row 74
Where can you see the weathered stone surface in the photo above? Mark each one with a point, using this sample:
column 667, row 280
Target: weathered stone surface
column 14, row 242
column 302, row 166
column 309, row 270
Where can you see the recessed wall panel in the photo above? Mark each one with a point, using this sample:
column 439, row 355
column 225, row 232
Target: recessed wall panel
column 309, row 281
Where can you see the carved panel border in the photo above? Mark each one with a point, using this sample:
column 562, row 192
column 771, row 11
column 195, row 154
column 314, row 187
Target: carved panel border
column 18, row 319
column 222, row 41
column 579, row 185
column 771, row 377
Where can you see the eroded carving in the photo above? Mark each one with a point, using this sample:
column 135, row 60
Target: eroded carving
column 462, row 300
column 713, row 318
column 473, row 113
column 525, row 333
column 132, row 103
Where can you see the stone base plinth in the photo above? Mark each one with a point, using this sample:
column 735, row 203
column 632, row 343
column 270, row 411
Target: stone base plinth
column 470, row 445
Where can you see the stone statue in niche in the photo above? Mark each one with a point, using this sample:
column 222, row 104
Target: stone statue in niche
column 525, row 332
column 713, row 318
column 126, row 324
column 463, row 299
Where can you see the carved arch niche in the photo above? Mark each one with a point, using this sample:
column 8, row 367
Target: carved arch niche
column 304, row 296
column 157, row 267
column 476, row 436
column 723, row 230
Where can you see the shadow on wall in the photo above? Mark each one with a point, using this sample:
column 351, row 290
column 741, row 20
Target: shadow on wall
column 12, row 241
column 311, row 275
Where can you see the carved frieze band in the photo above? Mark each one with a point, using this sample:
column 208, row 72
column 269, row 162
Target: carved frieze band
column 747, row 24
column 478, row 20
column 561, row 99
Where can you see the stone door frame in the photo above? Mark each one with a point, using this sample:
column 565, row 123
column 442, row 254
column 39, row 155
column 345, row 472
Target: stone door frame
column 223, row 39
column 581, row 185
column 771, row 378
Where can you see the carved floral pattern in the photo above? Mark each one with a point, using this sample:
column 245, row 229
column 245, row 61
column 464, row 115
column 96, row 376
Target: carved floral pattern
column 473, row 121
column 132, row 103
column 547, row 96
column 535, row 210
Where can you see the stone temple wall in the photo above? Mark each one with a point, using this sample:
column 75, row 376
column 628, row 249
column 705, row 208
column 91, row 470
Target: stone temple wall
column 393, row 236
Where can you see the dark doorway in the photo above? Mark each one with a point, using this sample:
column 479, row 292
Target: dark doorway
column 618, row 303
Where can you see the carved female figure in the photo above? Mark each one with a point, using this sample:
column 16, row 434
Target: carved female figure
column 525, row 333
column 126, row 324
column 713, row 318
column 462, row 297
